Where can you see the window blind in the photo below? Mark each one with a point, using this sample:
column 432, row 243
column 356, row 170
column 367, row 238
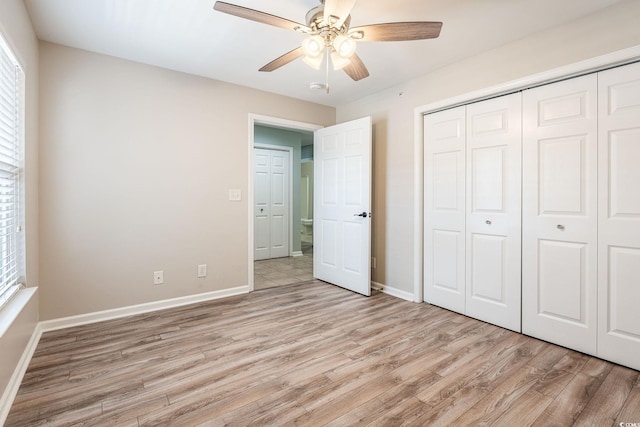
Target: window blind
column 11, row 89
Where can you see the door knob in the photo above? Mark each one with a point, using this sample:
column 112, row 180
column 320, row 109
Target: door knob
column 488, row 222
column 363, row 214
column 560, row 227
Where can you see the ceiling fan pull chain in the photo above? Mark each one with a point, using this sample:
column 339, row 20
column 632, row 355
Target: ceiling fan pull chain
column 327, row 69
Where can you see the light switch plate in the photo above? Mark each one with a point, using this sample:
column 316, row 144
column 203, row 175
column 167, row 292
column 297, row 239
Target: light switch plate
column 235, row 195
column 202, row 270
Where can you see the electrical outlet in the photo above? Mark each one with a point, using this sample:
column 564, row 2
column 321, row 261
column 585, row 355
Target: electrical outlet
column 202, row 270
column 235, row 195
column 158, row 277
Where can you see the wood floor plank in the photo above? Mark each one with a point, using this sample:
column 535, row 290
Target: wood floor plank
column 500, row 400
column 525, row 410
column 597, row 368
column 610, row 398
column 408, row 412
column 565, row 408
column 548, row 357
column 455, row 379
column 314, row 354
column 343, row 399
column 376, row 409
column 630, row 412
column 490, row 346
column 457, row 398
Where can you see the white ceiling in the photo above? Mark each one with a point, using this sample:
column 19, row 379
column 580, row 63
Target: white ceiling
column 189, row 36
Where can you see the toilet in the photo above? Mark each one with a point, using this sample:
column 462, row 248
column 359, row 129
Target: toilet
column 307, row 226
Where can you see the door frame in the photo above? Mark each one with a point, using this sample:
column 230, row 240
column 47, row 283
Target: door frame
column 259, row 119
column 598, row 63
column 290, row 151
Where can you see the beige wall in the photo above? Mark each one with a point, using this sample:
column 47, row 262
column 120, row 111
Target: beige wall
column 392, row 110
column 135, row 168
column 16, row 29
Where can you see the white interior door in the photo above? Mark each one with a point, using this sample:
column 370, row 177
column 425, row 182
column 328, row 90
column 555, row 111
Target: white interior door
column 271, row 203
column 444, row 211
column 619, row 215
column 559, row 283
column 493, row 220
column 342, row 208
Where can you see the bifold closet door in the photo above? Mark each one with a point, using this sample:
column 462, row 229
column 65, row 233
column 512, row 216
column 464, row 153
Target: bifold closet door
column 271, row 203
column 559, row 222
column 619, row 215
column 444, row 210
column 493, row 219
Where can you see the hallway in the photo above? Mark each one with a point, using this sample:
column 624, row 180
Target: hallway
column 270, row 273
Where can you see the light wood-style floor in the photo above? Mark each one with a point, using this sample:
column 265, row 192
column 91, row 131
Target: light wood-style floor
column 270, row 273
column 314, row 354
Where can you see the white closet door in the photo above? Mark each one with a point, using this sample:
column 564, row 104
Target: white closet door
column 619, row 215
column 261, row 209
column 559, row 283
column 279, row 204
column 271, row 203
column 444, row 221
column 493, row 244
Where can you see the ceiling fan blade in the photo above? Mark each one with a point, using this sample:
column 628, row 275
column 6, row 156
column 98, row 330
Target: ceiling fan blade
column 340, row 9
column 356, row 68
column 397, row 31
column 283, row 60
column 262, row 17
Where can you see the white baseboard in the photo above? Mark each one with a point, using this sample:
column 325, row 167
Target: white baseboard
column 99, row 316
column 18, row 374
column 296, row 253
column 386, row 289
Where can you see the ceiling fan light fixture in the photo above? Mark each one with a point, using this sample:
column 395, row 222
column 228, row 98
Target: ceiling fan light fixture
column 344, row 46
column 313, row 61
column 338, row 61
column 313, row 46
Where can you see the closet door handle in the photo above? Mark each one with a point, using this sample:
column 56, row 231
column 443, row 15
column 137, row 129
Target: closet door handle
column 560, row 227
column 488, row 222
column 363, row 214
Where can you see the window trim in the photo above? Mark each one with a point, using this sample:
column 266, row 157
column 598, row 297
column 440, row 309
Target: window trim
column 12, row 166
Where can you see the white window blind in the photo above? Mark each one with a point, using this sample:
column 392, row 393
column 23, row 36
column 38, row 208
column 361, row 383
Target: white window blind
column 11, row 136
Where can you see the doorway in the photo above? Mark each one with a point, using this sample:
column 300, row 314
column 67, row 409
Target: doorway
column 297, row 265
column 272, row 201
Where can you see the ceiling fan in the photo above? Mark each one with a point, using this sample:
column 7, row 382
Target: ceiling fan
column 327, row 26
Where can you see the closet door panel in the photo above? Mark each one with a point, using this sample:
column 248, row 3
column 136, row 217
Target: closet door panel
column 444, row 244
column 493, row 244
column 488, row 263
column 559, row 253
column 619, row 215
column 562, row 270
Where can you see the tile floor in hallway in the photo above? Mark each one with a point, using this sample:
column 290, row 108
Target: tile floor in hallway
column 270, row 273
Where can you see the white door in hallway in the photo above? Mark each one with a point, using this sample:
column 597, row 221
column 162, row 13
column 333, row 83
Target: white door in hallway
column 559, row 213
column 619, row 215
column 271, row 203
column 342, row 205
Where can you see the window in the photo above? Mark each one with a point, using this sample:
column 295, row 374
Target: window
column 11, row 141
